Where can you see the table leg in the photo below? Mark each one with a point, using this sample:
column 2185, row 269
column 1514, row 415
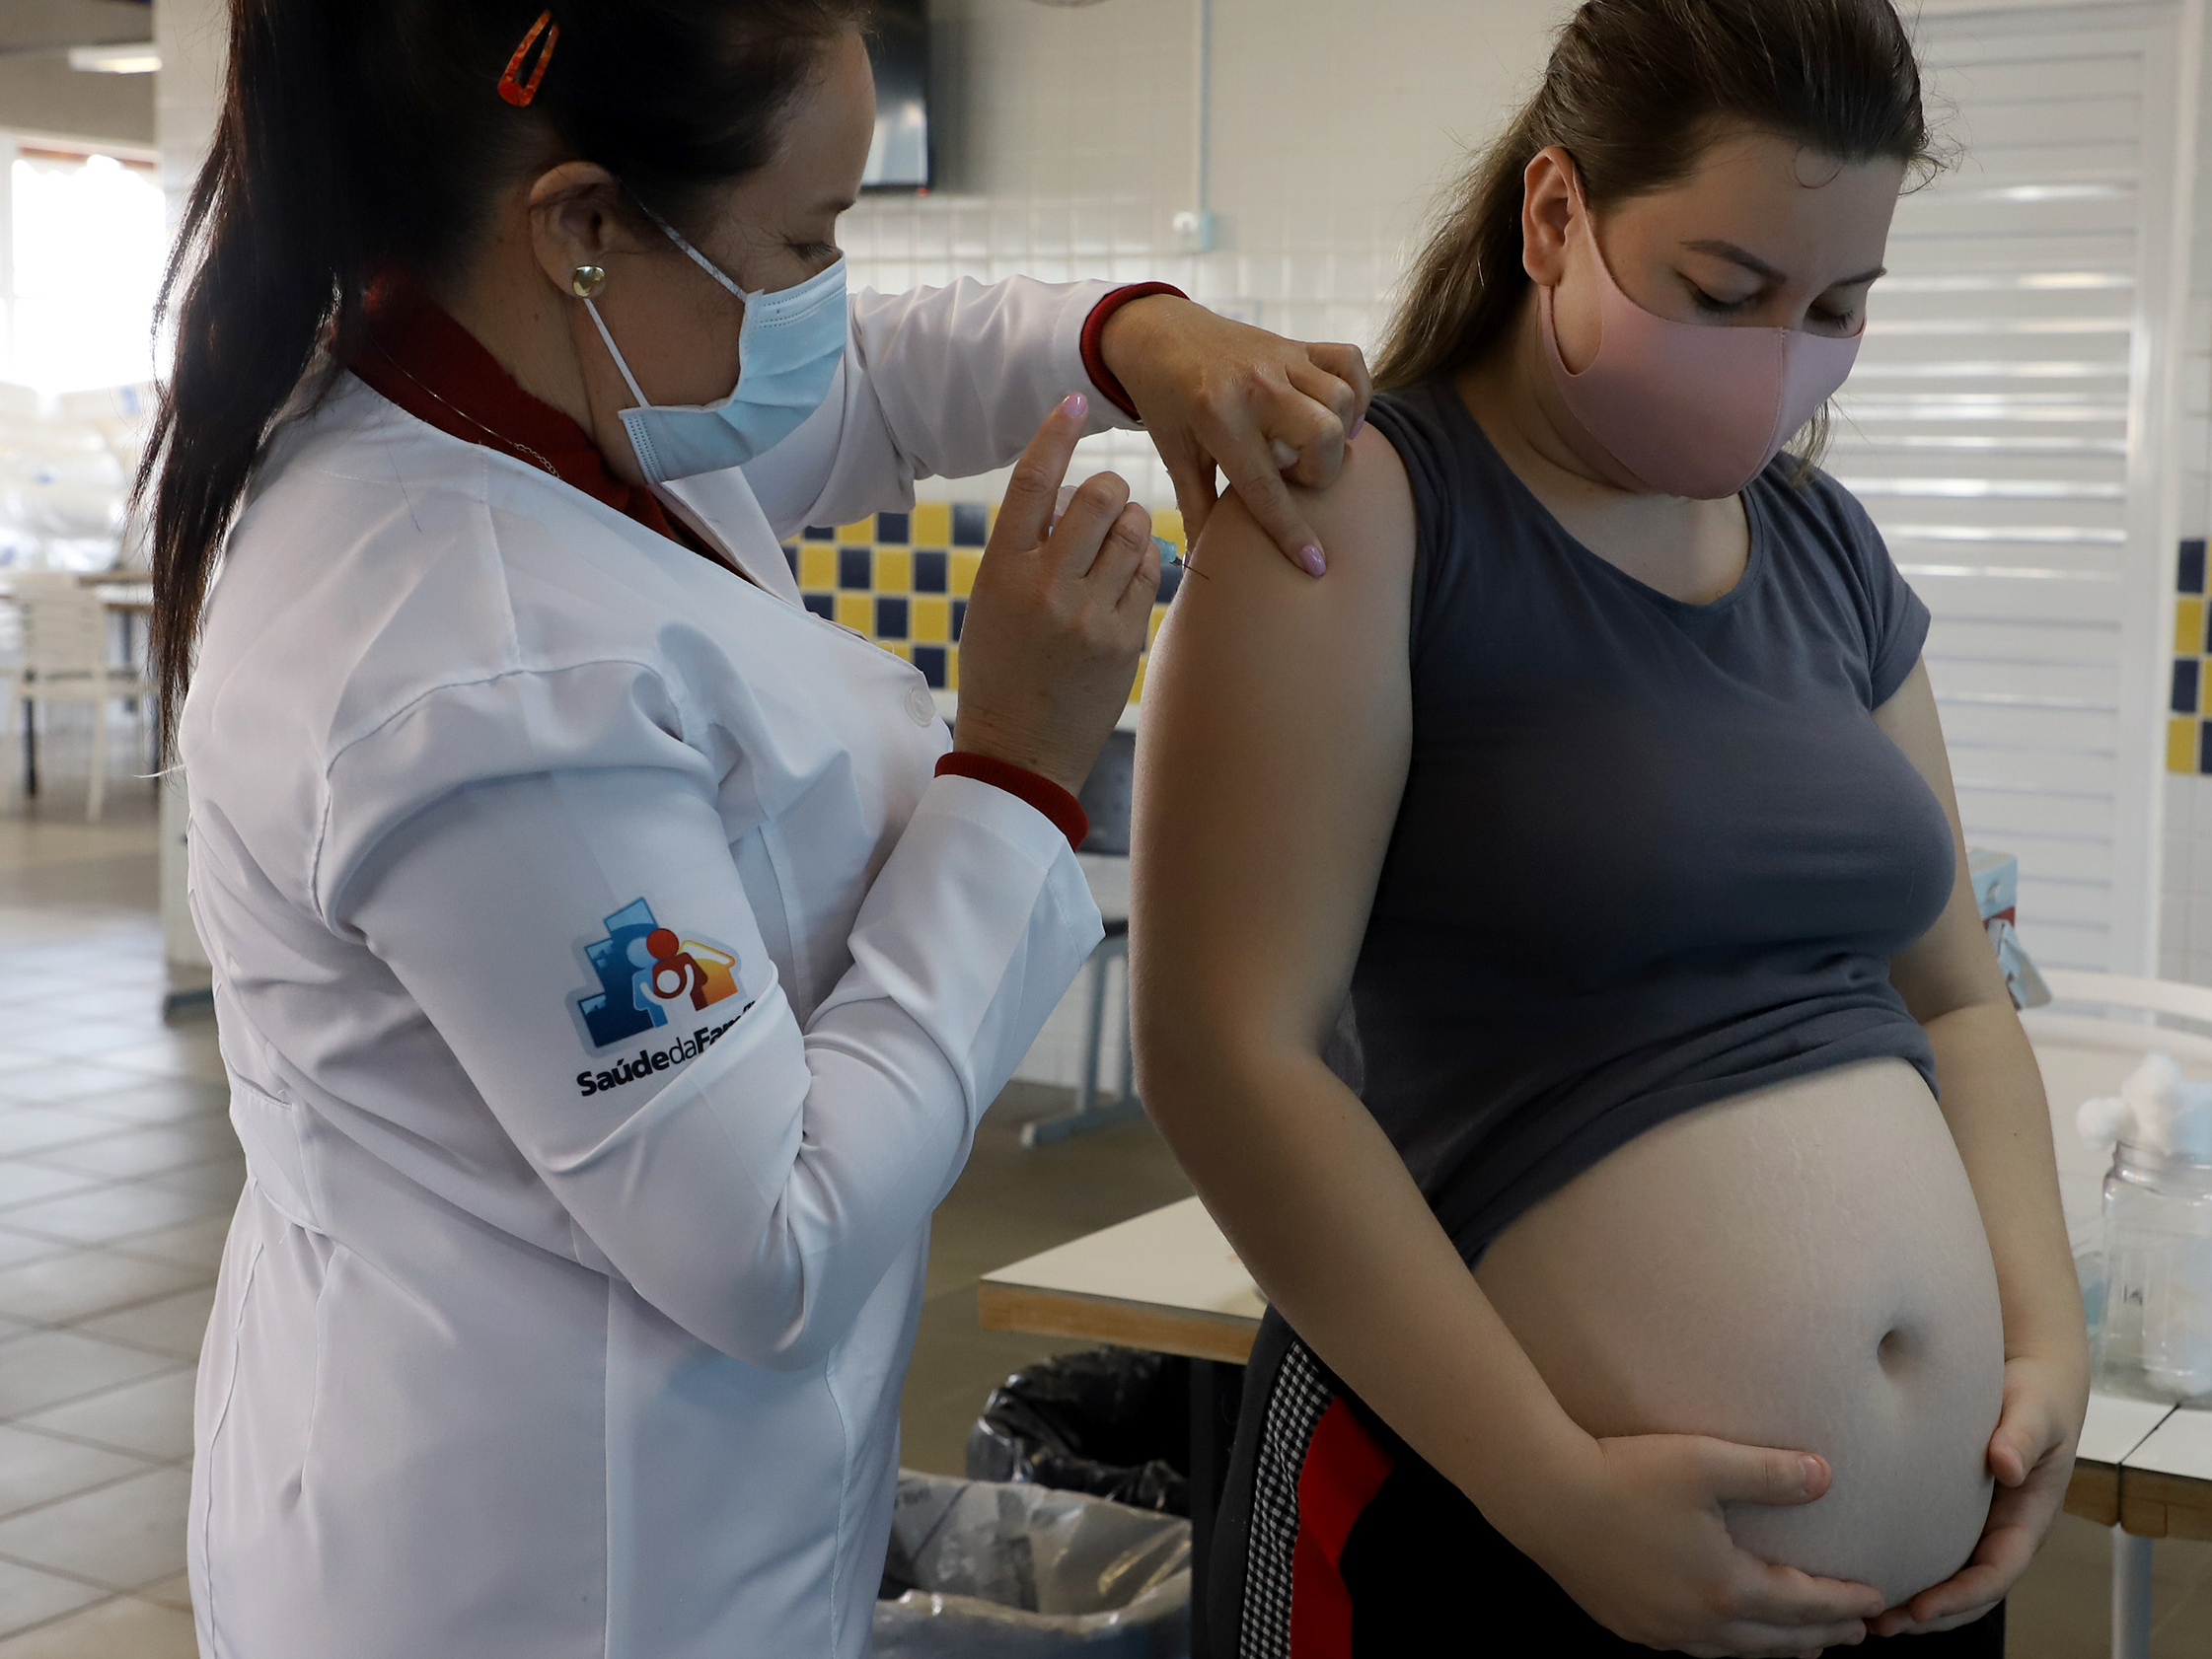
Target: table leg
column 1216, row 1388
column 1089, row 1113
column 2131, row 1596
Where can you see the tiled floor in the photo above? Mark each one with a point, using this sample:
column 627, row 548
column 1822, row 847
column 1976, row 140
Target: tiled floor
column 118, row 1174
column 117, row 1171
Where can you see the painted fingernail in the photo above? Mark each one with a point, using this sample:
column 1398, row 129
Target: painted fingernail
column 1310, row 560
column 1359, row 421
column 1076, row 404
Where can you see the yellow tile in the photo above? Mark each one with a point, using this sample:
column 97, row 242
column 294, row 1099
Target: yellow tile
column 952, row 668
column 2189, row 626
column 930, row 620
column 1137, row 686
column 894, row 570
column 990, row 518
column 965, row 561
column 857, row 613
column 898, row 648
column 1167, row 523
column 2181, row 745
column 818, row 565
column 932, row 525
column 865, row 530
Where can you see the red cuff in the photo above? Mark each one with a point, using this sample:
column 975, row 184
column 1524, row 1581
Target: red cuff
column 1066, row 812
column 1094, row 334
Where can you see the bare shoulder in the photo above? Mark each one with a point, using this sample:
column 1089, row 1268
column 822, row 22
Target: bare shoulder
column 1365, row 520
column 1256, row 647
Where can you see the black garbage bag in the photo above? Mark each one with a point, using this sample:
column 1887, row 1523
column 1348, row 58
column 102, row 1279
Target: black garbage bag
column 1113, row 1423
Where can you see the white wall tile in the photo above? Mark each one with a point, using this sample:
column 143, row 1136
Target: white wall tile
column 2189, row 800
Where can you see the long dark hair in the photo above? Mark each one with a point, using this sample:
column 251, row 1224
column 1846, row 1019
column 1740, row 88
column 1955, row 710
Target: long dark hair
column 1635, row 90
column 356, row 140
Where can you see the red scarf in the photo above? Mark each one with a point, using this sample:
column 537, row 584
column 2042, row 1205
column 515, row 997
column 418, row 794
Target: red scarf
column 417, row 356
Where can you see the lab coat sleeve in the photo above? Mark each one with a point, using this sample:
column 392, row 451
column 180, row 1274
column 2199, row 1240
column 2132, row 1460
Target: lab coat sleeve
column 751, row 1180
column 939, row 382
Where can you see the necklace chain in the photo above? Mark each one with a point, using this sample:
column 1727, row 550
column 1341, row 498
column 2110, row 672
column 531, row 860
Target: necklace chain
column 511, row 443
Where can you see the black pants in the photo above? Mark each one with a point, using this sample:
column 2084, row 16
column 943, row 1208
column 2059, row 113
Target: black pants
column 1336, row 1541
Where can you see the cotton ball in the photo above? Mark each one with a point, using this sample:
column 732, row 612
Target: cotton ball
column 2153, row 1081
column 2102, row 1120
column 2189, row 1134
column 2150, row 1095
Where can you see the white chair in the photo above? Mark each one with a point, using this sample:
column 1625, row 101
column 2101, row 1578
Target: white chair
column 65, row 660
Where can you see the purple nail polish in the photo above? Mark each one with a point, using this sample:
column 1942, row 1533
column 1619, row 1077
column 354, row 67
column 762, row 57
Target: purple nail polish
column 1359, row 421
column 1310, row 560
column 1076, row 404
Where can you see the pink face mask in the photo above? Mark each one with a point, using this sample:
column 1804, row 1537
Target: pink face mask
column 1687, row 408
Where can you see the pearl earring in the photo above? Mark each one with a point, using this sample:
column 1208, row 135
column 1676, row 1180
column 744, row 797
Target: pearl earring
column 586, row 280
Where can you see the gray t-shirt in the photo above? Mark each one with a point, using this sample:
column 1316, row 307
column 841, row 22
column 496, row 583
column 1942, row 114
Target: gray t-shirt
column 1650, row 854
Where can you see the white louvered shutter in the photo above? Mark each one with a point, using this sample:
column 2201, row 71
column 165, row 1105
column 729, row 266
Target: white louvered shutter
column 2006, row 428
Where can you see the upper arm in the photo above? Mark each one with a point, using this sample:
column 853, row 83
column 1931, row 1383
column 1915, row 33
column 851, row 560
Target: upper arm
column 1277, row 722
column 1951, row 966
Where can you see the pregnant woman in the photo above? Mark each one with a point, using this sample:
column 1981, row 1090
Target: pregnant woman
column 1602, row 926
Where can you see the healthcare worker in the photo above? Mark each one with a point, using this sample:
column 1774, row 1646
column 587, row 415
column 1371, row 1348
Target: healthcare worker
column 612, row 959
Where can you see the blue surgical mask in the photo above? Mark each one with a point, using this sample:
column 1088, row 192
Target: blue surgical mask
column 789, row 351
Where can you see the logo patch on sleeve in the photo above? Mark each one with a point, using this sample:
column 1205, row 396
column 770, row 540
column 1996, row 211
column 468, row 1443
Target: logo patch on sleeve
column 649, row 973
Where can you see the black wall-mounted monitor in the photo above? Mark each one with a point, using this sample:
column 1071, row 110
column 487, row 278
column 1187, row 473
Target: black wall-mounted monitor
column 899, row 158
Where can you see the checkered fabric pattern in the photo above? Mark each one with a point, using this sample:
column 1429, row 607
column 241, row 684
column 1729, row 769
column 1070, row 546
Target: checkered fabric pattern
column 902, row 579
column 1301, row 1394
column 2188, row 728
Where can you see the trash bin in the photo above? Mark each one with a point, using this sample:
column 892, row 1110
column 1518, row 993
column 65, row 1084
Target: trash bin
column 1113, row 1423
column 983, row 1570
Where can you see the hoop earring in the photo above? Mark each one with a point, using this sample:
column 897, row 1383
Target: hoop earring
column 586, row 280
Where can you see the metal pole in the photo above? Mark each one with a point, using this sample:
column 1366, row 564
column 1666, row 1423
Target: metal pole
column 2131, row 1596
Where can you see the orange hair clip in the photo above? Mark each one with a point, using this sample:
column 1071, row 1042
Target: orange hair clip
column 512, row 87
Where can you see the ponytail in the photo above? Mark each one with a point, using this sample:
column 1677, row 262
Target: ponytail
column 356, row 141
column 1633, row 92
column 261, row 259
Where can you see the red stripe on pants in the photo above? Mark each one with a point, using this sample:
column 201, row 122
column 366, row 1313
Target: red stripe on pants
column 1343, row 1470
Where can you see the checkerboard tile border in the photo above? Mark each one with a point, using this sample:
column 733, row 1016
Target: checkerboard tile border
column 902, row 579
column 2188, row 725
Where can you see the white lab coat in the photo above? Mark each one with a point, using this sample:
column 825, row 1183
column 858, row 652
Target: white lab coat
column 565, row 1310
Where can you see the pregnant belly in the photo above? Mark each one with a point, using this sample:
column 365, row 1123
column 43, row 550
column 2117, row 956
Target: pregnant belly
column 1799, row 1266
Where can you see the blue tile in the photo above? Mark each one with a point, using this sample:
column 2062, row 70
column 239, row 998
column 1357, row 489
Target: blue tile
column 892, row 528
column 931, row 660
column 1170, row 580
column 971, row 524
column 890, row 617
column 824, row 606
column 2192, row 566
column 2204, row 747
column 959, row 617
column 791, row 558
column 818, row 532
column 929, row 571
column 2185, row 686
column 856, row 568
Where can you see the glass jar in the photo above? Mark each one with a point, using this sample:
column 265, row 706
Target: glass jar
column 2154, row 1338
